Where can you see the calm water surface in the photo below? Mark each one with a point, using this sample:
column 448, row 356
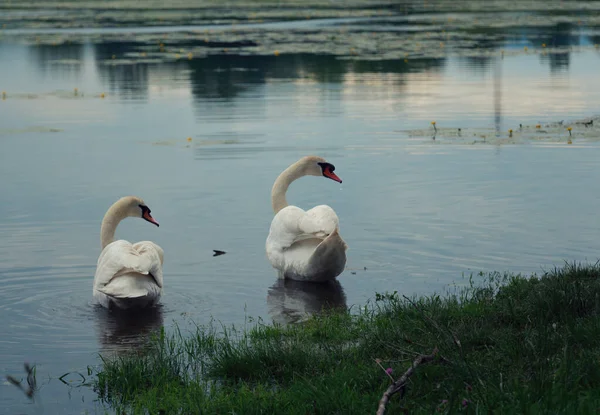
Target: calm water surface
column 416, row 213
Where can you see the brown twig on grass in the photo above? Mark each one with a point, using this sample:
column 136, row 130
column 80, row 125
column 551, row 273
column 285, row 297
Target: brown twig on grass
column 400, row 384
column 378, row 361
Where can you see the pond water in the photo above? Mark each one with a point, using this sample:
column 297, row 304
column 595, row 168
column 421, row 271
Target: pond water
column 417, row 213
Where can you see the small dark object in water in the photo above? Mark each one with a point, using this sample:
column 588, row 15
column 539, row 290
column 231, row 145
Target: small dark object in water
column 365, row 268
column 589, row 123
column 520, row 126
column 31, row 381
column 217, row 252
column 459, row 131
column 353, row 272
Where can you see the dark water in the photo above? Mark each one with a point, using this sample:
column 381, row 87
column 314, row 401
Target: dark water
column 416, row 213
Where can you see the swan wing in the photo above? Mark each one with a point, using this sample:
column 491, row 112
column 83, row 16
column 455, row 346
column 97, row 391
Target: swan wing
column 293, row 224
column 318, row 222
column 153, row 259
column 315, row 259
column 121, row 258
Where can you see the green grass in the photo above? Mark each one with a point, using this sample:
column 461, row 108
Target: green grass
column 526, row 345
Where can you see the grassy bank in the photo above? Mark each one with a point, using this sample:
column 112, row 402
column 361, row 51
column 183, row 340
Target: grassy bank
column 513, row 345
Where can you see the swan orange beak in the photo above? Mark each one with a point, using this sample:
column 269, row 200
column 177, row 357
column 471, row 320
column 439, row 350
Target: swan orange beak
column 147, row 216
column 328, row 173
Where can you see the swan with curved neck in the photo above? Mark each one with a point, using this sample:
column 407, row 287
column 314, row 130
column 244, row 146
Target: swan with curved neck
column 127, row 275
column 305, row 245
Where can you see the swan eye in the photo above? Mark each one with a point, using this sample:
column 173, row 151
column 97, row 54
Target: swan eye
column 145, row 209
column 326, row 167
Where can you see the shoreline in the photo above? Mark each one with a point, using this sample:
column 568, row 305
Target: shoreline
column 511, row 343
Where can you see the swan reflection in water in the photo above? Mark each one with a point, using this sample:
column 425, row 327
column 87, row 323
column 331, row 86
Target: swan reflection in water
column 292, row 301
column 121, row 331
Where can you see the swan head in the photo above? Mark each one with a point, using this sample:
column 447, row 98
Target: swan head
column 135, row 207
column 318, row 166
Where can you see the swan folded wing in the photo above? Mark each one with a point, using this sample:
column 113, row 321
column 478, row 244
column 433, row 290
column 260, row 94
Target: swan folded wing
column 315, row 259
column 318, row 222
column 121, row 257
column 154, row 254
column 292, row 225
column 129, row 286
column 328, row 259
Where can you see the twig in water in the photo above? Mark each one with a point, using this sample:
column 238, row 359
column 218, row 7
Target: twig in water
column 400, row 384
column 31, row 382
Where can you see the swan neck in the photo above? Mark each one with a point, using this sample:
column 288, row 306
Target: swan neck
column 112, row 218
column 280, row 187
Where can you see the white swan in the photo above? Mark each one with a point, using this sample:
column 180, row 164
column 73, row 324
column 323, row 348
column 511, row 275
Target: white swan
column 305, row 246
column 127, row 276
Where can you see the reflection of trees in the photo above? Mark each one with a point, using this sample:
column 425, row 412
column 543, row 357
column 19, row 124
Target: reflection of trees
column 594, row 39
column 479, row 64
column 487, row 42
column 396, row 66
column 561, row 35
column 45, row 57
column 557, row 61
column 225, row 76
column 217, row 76
column 126, row 80
column 107, row 49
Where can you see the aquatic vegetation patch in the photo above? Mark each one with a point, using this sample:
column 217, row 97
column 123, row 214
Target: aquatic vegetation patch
column 355, row 30
column 562, row 132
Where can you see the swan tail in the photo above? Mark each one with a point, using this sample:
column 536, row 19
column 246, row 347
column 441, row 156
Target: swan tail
column 329, row 258
column 130, row 286
column 115, row 293
column 335, row 236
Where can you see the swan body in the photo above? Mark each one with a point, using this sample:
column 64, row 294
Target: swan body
column 305, row 245
column 127, row 275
